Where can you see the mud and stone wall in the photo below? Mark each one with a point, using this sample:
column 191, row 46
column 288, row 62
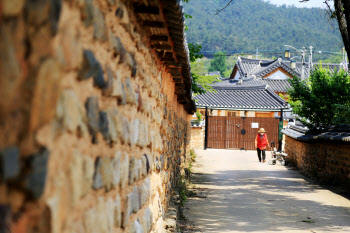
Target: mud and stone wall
column 197, row 138
column 92, row 137
column 326, row 161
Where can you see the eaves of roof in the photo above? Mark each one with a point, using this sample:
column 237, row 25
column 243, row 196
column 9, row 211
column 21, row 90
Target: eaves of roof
column 242, row 97
column 332, row 134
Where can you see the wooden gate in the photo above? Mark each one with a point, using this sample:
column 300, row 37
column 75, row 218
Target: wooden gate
column 226, row 132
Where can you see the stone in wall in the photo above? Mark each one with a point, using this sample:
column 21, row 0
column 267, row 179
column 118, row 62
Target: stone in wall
column 92, row 68
column 9, row 163
column 103, row 175
column 108, row 90
column 92, row 112
column 43, row 107
column 100, row 30
column 70, row 112
column 12, row 7
column 123, row 129
column 136, row 227
column 116, row 168
column 134, row 170
column 112, row 115
column 36, row 178
column 130, row 94
column 10, row 66
column 81, row 175
column 124, row 171
column 117, row 90
column 104, row 126
column 127, row 211
column 117, row 212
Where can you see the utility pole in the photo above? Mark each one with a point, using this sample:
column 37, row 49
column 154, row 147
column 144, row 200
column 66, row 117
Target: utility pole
column 310, row 60
column 206, row 129
column 280, row 127
column 345, row 60
column 257, row 53
column 303, row 64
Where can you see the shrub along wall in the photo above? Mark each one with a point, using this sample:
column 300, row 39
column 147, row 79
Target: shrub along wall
column 93, row 138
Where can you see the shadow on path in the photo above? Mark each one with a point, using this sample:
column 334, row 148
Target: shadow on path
column 251, row 201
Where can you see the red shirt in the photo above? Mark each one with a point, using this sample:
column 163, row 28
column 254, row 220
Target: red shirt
column 261, row 142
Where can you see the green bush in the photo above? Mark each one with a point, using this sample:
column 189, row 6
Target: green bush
column 323, row 100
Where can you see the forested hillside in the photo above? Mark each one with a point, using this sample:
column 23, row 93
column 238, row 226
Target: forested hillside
column 248, row 24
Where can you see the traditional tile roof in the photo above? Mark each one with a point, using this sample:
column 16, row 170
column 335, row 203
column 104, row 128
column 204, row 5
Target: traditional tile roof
column 259, row 68
column 338, row 133
column 275, row 85
column 241, row 97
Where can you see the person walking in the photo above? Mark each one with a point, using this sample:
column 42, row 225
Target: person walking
column 261, row 142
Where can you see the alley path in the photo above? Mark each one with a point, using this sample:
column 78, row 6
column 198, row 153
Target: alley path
column 239, row 194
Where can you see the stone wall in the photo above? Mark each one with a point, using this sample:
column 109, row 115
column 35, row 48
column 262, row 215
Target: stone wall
column 328, row 161
column 197, row 138
column 92, row 137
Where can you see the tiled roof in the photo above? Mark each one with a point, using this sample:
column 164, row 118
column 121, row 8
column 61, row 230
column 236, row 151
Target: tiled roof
column 339, row 133
column 241, row 97
column 275, row 85
column 260, row 67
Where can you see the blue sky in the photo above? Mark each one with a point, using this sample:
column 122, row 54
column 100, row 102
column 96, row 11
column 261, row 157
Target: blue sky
column 311, row 3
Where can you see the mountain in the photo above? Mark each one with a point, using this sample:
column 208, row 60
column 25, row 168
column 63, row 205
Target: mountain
column 250, row 24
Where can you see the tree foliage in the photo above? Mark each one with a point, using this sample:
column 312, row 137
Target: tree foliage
column 322, row 100
column 201, row 82
column 195, row 50
column 218, row 63
column 341, row 12
column 250, row 24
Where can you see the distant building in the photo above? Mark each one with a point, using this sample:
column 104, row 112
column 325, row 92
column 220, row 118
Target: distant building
column 214, row 73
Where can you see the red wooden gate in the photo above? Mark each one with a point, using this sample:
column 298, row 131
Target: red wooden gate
column 226, row 132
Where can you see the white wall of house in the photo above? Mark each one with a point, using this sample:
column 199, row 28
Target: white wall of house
column 237, row 76
column 278, row 76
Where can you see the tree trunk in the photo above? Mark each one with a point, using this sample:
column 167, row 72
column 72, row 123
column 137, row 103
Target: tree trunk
column 342, row 10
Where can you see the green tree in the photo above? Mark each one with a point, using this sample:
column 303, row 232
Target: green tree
column 323, row 100
column 218, row 63
column 201, row 82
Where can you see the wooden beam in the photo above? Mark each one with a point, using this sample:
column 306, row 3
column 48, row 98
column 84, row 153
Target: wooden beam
column 153, row 24
column 160, row 53
column 162, row 46
column 177, row 80
column 167, row 59
column 169, row 54
column 142, row 9
column 174, row 71
column 173, row 64
column 162, row 38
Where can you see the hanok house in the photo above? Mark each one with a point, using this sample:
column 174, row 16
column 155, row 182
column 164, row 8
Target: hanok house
column 274, row 73
column 235, row 113
column 95, row 114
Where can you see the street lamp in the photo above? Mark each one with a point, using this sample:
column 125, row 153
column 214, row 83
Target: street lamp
column 287, row 53
column 293, row 64
column 302, row 53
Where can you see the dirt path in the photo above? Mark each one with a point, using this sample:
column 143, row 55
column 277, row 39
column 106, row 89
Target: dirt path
column 239, row 194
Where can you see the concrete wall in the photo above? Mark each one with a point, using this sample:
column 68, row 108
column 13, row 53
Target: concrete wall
column 92, row 135
column 327, row 161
